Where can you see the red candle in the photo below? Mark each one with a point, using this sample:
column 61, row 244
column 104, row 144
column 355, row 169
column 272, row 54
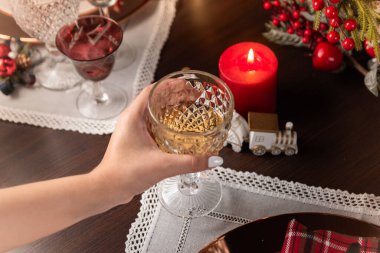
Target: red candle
column 250, row 70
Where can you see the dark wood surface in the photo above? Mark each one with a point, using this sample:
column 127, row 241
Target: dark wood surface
column 336, row 118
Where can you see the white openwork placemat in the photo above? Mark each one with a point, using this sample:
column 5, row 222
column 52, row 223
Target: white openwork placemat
column 147, row 31
column 246, row 197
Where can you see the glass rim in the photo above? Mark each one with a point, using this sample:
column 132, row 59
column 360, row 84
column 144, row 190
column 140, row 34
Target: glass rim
column 87, row 17
column 216, row 129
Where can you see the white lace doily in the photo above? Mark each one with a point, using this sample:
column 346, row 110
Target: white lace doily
column 246, row 197
column 147, row 31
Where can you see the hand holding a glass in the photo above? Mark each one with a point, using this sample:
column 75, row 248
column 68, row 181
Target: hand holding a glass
column 190, row 112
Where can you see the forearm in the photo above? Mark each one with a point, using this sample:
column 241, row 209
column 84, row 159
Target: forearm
column 31, row 211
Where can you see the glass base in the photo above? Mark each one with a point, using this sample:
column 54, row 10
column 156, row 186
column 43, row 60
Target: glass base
column 59, row 75
column 125, row 56
column 114, row 101
column 190, row 203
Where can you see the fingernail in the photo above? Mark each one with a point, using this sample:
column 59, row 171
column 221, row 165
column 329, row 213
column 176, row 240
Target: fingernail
column 214, row 161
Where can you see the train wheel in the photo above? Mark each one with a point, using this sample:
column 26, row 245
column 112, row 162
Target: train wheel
column 275, row 150
column 290, row 151
column 259, row 150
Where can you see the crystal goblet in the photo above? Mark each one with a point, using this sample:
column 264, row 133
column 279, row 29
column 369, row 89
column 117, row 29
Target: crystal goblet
column 190, row 112
column 126, row 54
column 91, row 43
column 42, row 19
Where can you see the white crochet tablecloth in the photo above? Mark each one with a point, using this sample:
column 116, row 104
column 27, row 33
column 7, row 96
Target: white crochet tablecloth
column 246, row 197
column 147, row 31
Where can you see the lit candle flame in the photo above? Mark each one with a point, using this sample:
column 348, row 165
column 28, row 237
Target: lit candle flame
column 251, row 56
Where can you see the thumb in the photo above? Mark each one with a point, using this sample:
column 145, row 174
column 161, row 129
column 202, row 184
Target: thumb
column 180, row 164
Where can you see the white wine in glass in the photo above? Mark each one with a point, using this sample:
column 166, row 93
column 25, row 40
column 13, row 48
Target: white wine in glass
column 190, row 113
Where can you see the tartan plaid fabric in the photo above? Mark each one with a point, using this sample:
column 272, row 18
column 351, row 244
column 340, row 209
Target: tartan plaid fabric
column 298, row 239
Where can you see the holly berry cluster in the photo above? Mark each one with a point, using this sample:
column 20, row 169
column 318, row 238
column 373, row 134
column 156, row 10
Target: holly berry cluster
column 287, row 16
column 15, row 66
column 337, row 25
column 326, row 26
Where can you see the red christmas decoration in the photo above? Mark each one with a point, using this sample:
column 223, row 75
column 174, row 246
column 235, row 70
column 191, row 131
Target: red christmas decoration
column 348, row 44
column 333, row 37
column 290, row 30
column 296, row 14
column 331, row 12
column 283, row 17
column 297, row 25
column 323, row 26
column 267, row 6
column 7, row 66
column 350, row 24
column 327, row 57
column 318, row 5
column 276, row 22
column 369, row 48
column 335, row 22
column 276, row 3
column 306, row 40
column 4, row 50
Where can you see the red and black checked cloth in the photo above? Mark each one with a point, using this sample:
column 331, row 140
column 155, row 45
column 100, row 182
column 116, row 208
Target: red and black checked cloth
column 299, row 239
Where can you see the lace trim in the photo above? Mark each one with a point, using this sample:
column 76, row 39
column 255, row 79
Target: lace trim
column 152, row 55
column 334, row 199
column 183, row 235
column 57, row 122
column 143, row 228
column 229, row 218
column 144, row 223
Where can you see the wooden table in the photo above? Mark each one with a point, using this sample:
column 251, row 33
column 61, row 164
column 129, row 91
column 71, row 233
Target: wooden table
column 337, row 119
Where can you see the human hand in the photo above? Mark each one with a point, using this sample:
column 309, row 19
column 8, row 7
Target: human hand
column 133, row 162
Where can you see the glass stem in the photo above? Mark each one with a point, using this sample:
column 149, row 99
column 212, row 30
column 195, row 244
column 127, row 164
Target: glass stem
column 100, row 97
column 54, row 56
column 103, row 11
column 189, row 183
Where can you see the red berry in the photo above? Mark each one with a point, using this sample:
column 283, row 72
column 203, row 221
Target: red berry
column 297, row 25
column 331, row 12
column 4, row 50
column 283, row 17
column 333, row 37
column 308, row 32
column 319, row 40
column 306, row 40
column 368, row 46
column 327, row 57
column 350, row 24
column 267, row 6
column 276, row 3
column 7, row 66
column 302, row 9
column 348, row 44
column 276, row 22
column 323, row 26
column 296, row 14
column 335, row 22
column 290, row 30
column 334, row 1
column 318, row 5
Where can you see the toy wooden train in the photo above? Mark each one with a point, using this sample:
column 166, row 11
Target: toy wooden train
column 264, row 135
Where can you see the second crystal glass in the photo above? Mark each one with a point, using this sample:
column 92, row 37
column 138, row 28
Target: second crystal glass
column 42, row 20
column 91, row 42
column 190, row 113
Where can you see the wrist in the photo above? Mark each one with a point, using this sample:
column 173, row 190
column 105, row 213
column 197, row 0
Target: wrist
column 108, row 188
